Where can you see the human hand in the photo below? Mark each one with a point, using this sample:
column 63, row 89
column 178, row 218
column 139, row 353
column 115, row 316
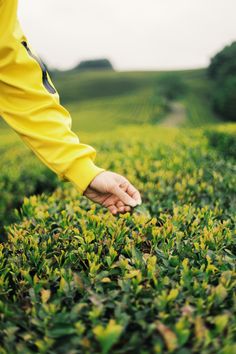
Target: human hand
column 114, row 192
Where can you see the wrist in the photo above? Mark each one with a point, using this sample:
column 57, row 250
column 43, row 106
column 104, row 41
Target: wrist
column 82, row 173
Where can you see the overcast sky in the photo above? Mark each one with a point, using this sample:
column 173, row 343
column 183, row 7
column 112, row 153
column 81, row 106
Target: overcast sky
column 133, row 34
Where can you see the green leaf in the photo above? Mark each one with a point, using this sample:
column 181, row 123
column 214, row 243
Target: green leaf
column 220, row 293
column 108, row 336
column 173, row 294
column 61, row 331
column 221, row 322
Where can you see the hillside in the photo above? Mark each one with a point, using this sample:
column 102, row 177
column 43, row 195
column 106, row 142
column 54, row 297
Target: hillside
column 103, row 100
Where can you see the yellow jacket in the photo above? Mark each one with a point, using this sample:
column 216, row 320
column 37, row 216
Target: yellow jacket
column 30, row 104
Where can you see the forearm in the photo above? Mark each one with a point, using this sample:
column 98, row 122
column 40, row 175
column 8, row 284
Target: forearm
column 30, row 105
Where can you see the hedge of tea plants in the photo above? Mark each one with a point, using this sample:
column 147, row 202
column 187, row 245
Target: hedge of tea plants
column 21, row 175
column 75, row 279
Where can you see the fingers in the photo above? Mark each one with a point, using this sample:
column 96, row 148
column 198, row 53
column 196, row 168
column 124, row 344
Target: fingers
column 115, row 205
column 122, row 208
column 127, row 195
column 123, row 196
column 132, row 191
column 113, row 209
column 110, row 200
column 119, row 207
column 114, row 192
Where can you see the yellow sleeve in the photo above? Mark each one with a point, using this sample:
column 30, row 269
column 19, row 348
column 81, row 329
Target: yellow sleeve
column 30, row 104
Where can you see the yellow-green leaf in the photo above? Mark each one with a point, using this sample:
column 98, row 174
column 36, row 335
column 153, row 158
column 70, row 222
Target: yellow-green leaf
column 45, row 295
column 107, row 336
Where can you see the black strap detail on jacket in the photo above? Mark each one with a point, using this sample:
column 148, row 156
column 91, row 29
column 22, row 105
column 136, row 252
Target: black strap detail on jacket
column 46, row 83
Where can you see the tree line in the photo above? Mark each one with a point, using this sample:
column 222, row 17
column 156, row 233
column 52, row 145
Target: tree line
column 222, row 70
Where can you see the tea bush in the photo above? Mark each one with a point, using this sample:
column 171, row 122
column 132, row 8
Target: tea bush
column 75, row 279
column 21, row 175
column 223, row 141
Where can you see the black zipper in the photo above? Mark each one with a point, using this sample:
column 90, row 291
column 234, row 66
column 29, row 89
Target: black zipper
column 46, row 83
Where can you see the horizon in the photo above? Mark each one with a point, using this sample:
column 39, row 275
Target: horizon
column 127, row 70
column 135, row 35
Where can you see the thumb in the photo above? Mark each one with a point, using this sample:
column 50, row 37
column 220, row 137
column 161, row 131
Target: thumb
column 124, row 197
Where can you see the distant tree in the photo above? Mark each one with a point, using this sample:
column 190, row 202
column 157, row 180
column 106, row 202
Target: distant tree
column 222, row 70
column 96, row 64
column 224, row 98
column 223, row 64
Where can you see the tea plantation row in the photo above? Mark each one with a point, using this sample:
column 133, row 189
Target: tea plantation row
column 21, row 175
column 74, row 279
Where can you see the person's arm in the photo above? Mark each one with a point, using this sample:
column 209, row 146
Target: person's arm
column 30, row 104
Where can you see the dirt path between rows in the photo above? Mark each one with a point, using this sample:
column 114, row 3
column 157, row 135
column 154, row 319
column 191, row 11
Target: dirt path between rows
column 176, row 117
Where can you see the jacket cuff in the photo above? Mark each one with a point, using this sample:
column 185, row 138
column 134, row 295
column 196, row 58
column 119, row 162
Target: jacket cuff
column 82, row 172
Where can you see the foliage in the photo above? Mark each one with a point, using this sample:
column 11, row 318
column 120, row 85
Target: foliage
column 96, row 64
column 75, row 279
column 223, row 71
column 21, row 175
column 223, row 64
column 224, row 99
column 171, row 86
column 223, row 141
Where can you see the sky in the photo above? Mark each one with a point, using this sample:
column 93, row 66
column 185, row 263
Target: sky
column 133, row 34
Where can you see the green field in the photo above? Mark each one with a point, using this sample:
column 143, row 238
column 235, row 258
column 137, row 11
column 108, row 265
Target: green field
column 74, row 278
column 105, row 100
